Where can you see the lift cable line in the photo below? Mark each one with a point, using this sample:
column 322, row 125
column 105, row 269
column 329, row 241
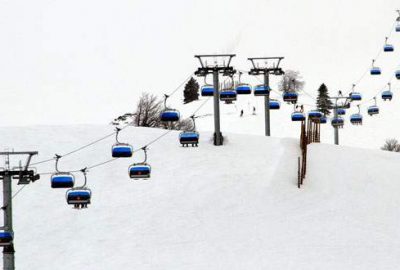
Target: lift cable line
column 201, row 106
column 99, row 140
column 113, row 159
column 80, row 148
column 106, row 136
column 180, row 85
column 80, row 196
column 18, row 191
column 364, row 74
column 107, row 161
column 173, row 92
column 382, row 88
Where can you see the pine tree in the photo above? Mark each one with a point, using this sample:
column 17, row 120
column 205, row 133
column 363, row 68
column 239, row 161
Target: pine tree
column 191, row 91
column 324, row 104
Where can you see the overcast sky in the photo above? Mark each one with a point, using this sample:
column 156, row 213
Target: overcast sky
column 87, row 61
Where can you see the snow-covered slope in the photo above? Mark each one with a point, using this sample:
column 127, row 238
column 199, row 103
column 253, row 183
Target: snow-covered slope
column 230, row 207
column 372, row 134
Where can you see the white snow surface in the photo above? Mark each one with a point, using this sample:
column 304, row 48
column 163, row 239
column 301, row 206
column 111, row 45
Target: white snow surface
column 231, row 207
column 372, row 134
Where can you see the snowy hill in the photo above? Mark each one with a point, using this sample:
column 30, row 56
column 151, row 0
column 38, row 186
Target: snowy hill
column 372, row 134
column 230, row 207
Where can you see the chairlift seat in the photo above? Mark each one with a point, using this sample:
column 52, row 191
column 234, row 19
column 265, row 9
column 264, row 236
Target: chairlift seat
column 62, row 180
column 397, row 74
column 376, row 71
column 372, row 110
column 274, row 104
column 189, row 137
column 356, row 119
column 298, row 116
column 227, row 95
column 122, row 150
column 290, row 97
column 170, row 116
column 387, row 95
column 337, row 122
column 341, row 111
column 207, row 91
column 355, row 96
column 388, row 48
column 261, row 90
column 139, row 171
column 79, row 196
column 243, row 89
column 315, row 115
column 6, row 238
column 323, row 120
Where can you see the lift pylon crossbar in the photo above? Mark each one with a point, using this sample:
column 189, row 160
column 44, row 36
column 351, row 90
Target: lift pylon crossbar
column 257, row 70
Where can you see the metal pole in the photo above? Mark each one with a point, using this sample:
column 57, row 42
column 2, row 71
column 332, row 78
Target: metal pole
column 336, row 127
column 217, row 131
column 266, row 103
column 8, row 251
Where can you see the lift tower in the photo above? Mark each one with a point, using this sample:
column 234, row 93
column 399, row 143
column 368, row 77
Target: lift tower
column 24, row 175
column 221, row 65
column 345, row 104
column 266, row 70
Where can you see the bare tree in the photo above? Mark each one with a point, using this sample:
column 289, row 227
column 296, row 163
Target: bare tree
column 148, row 111
column 291, row 81
column 391, row 145
column 147, row 114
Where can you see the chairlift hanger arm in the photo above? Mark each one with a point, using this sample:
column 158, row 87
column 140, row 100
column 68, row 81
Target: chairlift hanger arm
column 145, row 154
column 117, row 130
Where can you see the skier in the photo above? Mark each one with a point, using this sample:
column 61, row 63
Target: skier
column 254, row 110
column 241, row 113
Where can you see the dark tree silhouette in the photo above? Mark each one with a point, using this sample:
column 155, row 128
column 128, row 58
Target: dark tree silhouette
column 191, row 91
column 324, row 104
